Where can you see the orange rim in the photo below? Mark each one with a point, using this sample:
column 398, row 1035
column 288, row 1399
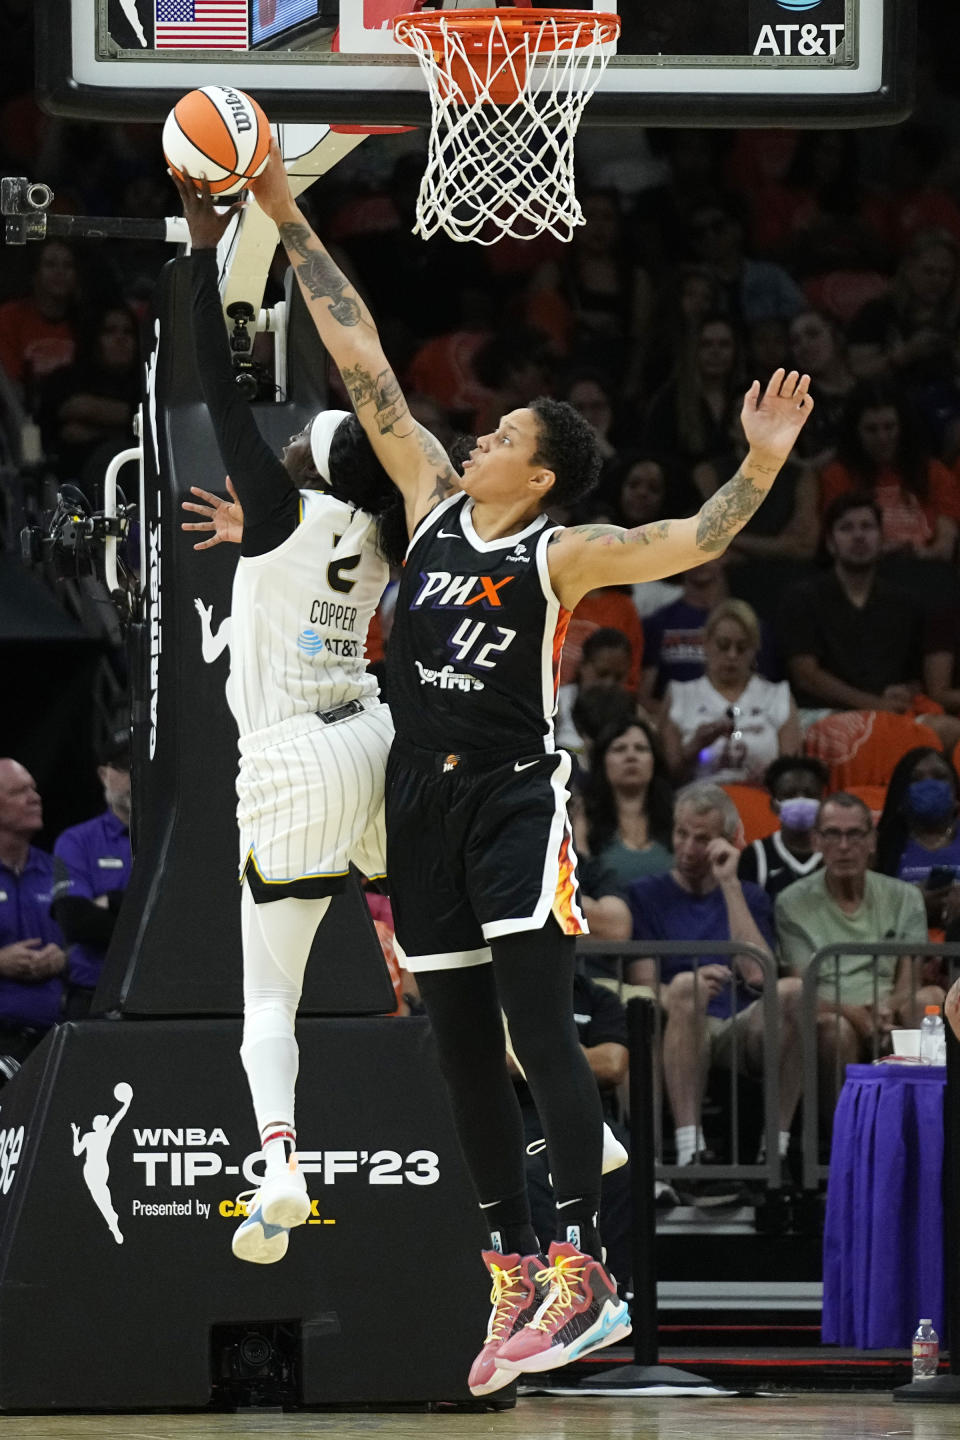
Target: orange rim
column 577, row 28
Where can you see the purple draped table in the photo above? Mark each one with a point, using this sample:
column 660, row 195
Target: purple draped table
column 883, row 1236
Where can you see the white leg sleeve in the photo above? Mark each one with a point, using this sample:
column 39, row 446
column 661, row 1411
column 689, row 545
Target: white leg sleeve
column 276, row 943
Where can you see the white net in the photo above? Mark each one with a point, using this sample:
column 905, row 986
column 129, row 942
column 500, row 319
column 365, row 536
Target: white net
column 505, row 168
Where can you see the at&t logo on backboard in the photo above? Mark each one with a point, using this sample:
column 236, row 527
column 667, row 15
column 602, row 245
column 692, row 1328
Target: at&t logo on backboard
column 800, row 29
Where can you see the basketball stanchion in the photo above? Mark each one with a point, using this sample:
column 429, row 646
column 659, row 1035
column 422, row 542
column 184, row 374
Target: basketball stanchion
column 645, row 1376
column 945, row 1389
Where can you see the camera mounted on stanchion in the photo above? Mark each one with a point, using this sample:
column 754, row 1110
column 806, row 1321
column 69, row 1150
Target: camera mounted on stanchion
column 252, row 378
column 71, row 537
column 24, row 205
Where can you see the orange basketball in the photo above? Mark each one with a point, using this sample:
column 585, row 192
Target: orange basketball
column 220, row 133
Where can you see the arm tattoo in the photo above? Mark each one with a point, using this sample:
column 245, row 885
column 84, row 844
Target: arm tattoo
column 447, row 478
column 617, row 535
column 321, row 277
column 383, row 391
column 727, row 511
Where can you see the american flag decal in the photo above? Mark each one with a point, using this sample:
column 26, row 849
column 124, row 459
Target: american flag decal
column 202, row 25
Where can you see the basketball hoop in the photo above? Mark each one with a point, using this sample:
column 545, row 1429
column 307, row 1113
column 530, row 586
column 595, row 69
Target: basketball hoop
column 507, row 91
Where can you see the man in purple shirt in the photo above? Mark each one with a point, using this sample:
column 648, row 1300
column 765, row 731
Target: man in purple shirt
column 92, row 870
column 702, row 900
column 31, row 945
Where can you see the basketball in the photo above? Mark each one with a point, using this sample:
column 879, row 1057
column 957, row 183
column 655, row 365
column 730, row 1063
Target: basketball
column 123, row 1091
column 220, row 133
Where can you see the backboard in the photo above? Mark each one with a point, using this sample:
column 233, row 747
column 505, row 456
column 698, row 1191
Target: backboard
column 678, row 62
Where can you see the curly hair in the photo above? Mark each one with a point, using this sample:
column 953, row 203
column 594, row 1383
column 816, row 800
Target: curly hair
column 567, row 445
column 358, row 478
column 787, row 764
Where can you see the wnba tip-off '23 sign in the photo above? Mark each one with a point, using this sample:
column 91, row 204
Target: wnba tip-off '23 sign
column 802, row 29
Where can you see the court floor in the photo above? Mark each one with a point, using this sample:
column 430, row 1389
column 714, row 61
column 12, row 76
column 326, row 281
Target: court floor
column 780, row 1417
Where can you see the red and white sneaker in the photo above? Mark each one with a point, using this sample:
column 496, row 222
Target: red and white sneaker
column 516, row 1295
column 582, row 1313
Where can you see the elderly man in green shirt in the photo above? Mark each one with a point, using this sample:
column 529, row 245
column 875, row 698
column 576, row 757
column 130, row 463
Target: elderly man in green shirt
column 847, row 901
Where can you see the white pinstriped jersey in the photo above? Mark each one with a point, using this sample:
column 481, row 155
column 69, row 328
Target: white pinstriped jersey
column 300, row 616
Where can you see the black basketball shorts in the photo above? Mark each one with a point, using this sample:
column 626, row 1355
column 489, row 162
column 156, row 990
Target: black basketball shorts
column 478, row 846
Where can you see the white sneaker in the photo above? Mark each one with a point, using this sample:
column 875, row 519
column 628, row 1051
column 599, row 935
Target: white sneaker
column 283, row 1197
column 255, row 1241
column 280, row 1204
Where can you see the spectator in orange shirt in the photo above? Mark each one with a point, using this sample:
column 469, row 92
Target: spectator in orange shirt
column 882, row 452
column 443, row 366
column 38, row 332
column 611, row 608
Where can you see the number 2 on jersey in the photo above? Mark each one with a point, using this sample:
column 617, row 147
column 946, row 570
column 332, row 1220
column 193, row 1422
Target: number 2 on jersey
column 466, row 637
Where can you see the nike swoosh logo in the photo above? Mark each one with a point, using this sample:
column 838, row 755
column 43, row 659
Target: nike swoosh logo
column 562, row 1205
column 447, row 535
column 526, row 766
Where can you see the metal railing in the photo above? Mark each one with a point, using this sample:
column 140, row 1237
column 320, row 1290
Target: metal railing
column 769, row 1169
column 812, row 997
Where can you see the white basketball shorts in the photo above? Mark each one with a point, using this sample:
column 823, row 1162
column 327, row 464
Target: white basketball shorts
column 310, row 803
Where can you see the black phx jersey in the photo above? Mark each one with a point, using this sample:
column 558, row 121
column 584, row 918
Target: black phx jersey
column 477, row 634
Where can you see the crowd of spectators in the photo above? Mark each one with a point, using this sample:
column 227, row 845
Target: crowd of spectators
column 776, row 701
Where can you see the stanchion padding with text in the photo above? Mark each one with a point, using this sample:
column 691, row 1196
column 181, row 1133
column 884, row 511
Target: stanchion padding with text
column 124, row 1147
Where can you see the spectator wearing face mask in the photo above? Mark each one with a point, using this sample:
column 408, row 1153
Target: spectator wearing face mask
column 797, row 785
column 917, row 837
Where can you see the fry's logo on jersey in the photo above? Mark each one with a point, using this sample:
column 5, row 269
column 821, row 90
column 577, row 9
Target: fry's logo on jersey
column 444, row 591
column 448, row 679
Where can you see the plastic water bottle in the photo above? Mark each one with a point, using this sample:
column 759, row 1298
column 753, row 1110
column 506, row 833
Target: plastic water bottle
column 926, row 1351
column 933, row 1038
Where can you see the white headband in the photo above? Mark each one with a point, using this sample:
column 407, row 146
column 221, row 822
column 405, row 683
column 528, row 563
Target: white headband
column 321, row 436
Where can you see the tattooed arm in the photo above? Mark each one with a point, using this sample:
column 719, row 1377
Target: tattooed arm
column 585, row 557
column 412, row 457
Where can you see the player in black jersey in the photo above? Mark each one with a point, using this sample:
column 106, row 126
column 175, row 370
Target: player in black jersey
column 482, row 868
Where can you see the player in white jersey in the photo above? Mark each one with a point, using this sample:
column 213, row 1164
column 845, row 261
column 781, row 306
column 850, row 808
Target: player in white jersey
column 313, row 734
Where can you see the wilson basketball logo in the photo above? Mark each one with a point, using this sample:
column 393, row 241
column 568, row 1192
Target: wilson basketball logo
column 220, row 133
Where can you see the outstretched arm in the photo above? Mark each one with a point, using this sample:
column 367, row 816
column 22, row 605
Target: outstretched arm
column 414, row 460
column 124, row 1107
column 268, row 492
column 584, row 557
column 223, row 517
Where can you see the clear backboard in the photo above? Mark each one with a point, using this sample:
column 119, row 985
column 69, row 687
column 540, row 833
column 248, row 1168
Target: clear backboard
column 678, row 62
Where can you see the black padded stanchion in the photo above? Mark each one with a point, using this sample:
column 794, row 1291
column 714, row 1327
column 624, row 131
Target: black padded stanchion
column 123, row 1147
column 176, row 946
column 645, row 1375
column 124, row 1141
column 945, row 1389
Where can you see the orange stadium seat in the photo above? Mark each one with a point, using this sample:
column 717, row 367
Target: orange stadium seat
column 753, row 805
column 861, row 747
column 872, row 795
